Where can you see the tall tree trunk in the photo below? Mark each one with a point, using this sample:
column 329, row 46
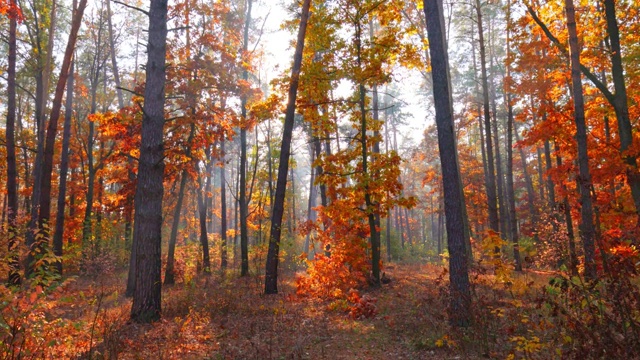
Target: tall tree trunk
column 47, row 166
column 292, row 208
column 566, row 207
column 586, row 211
column 271, row 271
column 86, row 223
column 548, row 166
column 460, row 300
column 114, row 61
column 374, row 234
column 511, row 195
column 376, row 152
column 64, row 168
column 169, row 276
column 128, row 208
column 147, row 305
column 408, row 227
column 620, row 98
column 12, row 169
column 244, row 204
column 502, row 202
column 540, row 174
column 490, row 180
column 312, row 200
column 223, row 209
column 204, row 240
column 270, row 163
column 400, row 225
column 388, row 229
column 531, row 196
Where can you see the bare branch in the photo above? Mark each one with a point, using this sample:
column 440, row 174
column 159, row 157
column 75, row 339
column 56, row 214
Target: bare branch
column 131, row 7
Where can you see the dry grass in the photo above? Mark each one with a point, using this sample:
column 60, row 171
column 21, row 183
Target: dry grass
column 220, row 317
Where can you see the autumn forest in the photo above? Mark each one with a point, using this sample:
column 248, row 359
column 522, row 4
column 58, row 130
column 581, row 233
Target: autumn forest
column 339, row 179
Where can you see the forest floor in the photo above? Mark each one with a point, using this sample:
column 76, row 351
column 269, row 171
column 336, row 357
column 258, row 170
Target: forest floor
column 230, row 318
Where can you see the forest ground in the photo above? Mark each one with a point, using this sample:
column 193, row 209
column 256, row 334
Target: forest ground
column 229, row 318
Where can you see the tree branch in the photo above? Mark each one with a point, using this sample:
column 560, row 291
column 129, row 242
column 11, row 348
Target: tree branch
column 131, row 7
column 587, row 73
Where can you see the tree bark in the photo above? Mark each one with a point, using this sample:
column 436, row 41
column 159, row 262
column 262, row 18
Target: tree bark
column 169, row 276
column 244, row 202
column 566, row 208
column 531, row 195
column 584, row 180
column 511, row 196
column 204, row 240
column 312, row 200
column 12, row 169
column 64, row 168
column 147, row 305
column 44, row 211
column 114, row 61
column 460, row 300
column 223, row 209
column 370, row 207
column 271, row 271
column 620, row 98
column 490, row 180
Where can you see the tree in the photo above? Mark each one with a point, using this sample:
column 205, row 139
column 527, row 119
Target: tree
column 149, row 191
column 12, row 186
column 490, row 181
column 460, row 305
column 271, row 271
column 584, row 181
column 52, row 128
column 511, row 197
column 244, row 202
column 618, row 99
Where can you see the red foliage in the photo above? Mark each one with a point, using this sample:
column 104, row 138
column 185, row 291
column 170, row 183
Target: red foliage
column 362, row 307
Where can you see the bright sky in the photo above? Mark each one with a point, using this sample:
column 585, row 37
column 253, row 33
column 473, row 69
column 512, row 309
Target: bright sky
column 279, row 54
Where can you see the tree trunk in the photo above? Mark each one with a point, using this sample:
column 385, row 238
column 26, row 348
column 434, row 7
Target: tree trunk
column 12, row 169
column 490, row 180
column 502, row 202
column 460, row 300
column 292, row 208
column 64, row 168
column 584, row 180
column 52, row 128
column 244, row 204
column 204, row 240
column 620, row 98
column 114, row 61
column 223, row 209
column 86, row 223
column 548, row 166
column 511, row 196
column 44, row 185
column 149, row 191
column 169, row 276
column 376, row 152
column 531, row 196
column 312, row 201
column 370, row 207
column 566, row 207
column 271, row 271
